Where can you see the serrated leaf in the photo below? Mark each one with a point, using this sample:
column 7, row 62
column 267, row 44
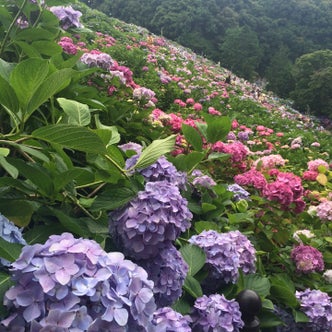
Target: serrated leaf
column 192, row 136
column 261, row 285
column 155, row 150
column 30, row 51
column 69, row 136
column 201, row 226
column 193, row 287
column 5, row 69
column 187, row 162
column 322, row 179
column 47, row 47
column 8, row 97
column 194, row 256
column 78, row 113
column 217, row 127
column 10, row 251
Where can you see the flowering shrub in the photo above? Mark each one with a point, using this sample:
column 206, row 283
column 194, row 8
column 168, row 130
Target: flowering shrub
column 324, row 211
column 68, row 16
column 151, row 221
column 307, row 259
column 167, row 320
column 216, row 313
column 317, row 306
column 74, row 284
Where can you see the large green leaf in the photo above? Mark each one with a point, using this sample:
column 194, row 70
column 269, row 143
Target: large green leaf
column 9, row 251
column 155, row 150
column 47, row 47
column 26, row 78
column 50, row 86
column 218, row 127
column 283, row 289
column 194, row 256
column 18, row 211
column 193, row 287
column 78, row 113
column 6, row 68
column 186, row 162
column 8, row 97
column 72, row 174
column 30, row 51
column 261, row 285
column 8, row 167
column 192, row 136
column 74, row 137
column 33, row 34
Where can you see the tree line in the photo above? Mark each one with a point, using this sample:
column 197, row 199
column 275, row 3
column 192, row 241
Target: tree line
column 286, row 42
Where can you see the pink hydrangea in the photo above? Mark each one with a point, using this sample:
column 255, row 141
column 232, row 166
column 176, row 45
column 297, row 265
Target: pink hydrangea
column 251, row 178
column 197, row 107
column 307, row 259
column 324, row 211
column 268, row 162
column 310, row 175
column 314, row 164
column 237, row 150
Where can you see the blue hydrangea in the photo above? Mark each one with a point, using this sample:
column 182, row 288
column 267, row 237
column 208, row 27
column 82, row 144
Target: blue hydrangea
column 226, row 253
column 73, row 284
column 317, row 306
column 238, row 192
column 168, row 271
column 168, row 320
column 10, row 233
column 68, row 16
column 216, row 313
column 151, row 221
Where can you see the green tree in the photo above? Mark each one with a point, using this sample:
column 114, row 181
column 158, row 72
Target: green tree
column 240, row 52
column 312, row 73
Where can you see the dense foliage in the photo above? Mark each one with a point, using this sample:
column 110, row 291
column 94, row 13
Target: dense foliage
column 259, row 38
column 142, row 189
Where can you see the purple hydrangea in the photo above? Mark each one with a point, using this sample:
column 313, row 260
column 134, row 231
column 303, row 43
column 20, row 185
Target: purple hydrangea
column 161, row 170
column 10, row 233
column 97, row 59
column 168, row 271
column 131, row 146
column 216, row 313
column 318, row 307
column 307, row 259
column 201, row 180
column 68, row 16
column 238, row 191
column 151, row 221
column 226, row 253
column 73, row 284
column 168, row 320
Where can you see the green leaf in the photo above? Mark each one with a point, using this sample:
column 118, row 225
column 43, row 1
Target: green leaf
column 5, row 284
column 182, row 306
column 218, row 127
column 193, row 287
column 4, row 152
column 187, row 162
column 115, row 137
column 219, row 156
column 26, row 77
column 78, row 114
column 40, row 234
column 69, row 136
column 30, row 51
column 33, row 152
column 6, row 68
column 8, row 97
column 194, row 256
column 32, row 34
column 18, row 211
column 261, row 285
column 201, row 226
column 207, row 207
column 47, row 47
column 62, row 179
column 155, row 150
column 192, row 136
column 10, row 251
column 283, row 289
column 50, row 86
column 9, row 168
column 116, row 155
column 300, row 317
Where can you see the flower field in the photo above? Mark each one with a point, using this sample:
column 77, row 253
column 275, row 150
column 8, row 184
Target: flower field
column 144, row 187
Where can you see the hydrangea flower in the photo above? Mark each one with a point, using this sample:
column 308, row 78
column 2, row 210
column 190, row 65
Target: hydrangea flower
column 201, row 180
column 73, row 284
column 324, row 211
column 97, row 59
column 314, row 164
column 168, row 320
column 168, row 271
column 307, row 259
column 10, row 233
column 251, row 178
column 269, row 162
column 226, row 253
column 68, row 16
column 304, row 232
column 318, row 307
column 216, row 313
column 151, row 221
column 238, row 192
column 289, row 324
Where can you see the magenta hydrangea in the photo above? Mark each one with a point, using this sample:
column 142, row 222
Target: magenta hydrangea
column 226, row 253
column 73, row 284
column 168, row 271
column 317, row 306
column 168, row 320
column 251, row 178
column 216, row 313
column 151, row 221
column 307, row 259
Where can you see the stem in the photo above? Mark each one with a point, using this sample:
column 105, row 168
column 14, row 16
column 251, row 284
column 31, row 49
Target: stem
column 117, row 166
column 12, row 26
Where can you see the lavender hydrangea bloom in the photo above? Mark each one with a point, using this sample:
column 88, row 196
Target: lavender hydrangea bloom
column 10, row 233
column 68, row 16
column 101, row 60
column 201, row 180
column 318, row 307
column 238, row 191
column 216, row 313
column 307, row 259
column 151, row 221
column 161, row 170
column 131, row 146
column 73, row 284
column 168, row 320
column 168, row 271
column 226, row 253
